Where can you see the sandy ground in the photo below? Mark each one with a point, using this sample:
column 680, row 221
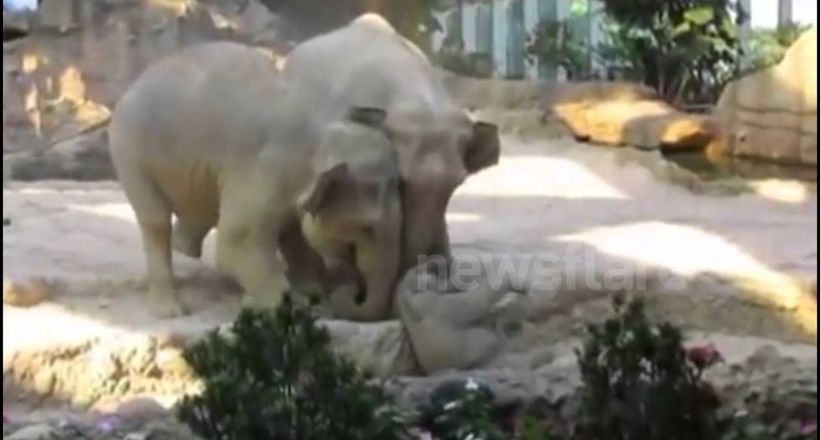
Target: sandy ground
column 602, row 219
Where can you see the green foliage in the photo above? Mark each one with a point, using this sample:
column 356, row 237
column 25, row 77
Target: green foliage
column 774, row 414
column 552, row 43
column 468, row 415
column 766, row 47
column 641, row 384
column 685, row 49
column 275, row 378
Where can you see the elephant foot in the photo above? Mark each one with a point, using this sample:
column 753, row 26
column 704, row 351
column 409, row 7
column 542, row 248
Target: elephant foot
column 165, row 305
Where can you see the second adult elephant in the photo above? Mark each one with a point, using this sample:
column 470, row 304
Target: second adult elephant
column 368, row 63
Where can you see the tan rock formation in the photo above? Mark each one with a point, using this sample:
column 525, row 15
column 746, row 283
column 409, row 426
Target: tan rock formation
column 80, row 56
column 61, row 80
column 772, row 114
column 621, row 114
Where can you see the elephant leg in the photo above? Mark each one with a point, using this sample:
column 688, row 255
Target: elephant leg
column 188, row 235
column 162, row 296
column 305, row 265
column 153, row 213
column 247, row 245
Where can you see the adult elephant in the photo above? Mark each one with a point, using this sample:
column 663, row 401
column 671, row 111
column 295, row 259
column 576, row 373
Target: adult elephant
column 367, row 63
column 215, row 137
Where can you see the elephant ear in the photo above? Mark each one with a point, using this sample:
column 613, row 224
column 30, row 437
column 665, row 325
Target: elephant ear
column 322, row 191
column 484, row 148
column 370, row 116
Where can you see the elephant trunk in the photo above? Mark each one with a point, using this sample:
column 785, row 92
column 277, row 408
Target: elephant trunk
column 377, row 260
column 425, row 229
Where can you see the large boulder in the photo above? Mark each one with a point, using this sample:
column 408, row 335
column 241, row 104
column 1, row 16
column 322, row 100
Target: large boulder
column 61, row 80
column 772, row 114
column 621, row 114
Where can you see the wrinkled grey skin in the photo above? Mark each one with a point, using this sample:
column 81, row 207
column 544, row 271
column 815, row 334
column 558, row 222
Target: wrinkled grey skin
column 216, row 137
column 367, row 63
column 451, row 327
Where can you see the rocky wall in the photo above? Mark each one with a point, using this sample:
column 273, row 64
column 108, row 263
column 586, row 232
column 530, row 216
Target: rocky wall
column 772, row 114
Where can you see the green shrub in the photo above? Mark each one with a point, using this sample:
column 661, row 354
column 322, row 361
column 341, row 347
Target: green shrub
column 465, row 414
column 463, row 410
column 640, row 383
column 276, row 378
column 552, row 43
column 766, row 47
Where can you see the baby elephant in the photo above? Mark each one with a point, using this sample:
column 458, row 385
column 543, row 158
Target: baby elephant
column 215, row 137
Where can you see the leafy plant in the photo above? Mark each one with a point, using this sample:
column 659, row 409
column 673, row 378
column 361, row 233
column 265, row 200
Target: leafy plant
column 685, row 49
column 463, row 413
column 276, row 378
column 774, row 413
column 463, row 410
column 640, row 383
column 552, row 43
column 766, row 47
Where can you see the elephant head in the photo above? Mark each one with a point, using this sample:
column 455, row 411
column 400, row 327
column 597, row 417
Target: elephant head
column 353, row 209
column 437, row 151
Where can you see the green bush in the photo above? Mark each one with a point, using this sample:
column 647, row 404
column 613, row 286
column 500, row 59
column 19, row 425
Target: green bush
column 551, row 43
column 640, row 383
column 464, row 411
column 686, row 50
column 276, row 378
column 766, row 47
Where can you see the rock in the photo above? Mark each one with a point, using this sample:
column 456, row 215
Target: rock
column 28, row 293
column 772, row 114
column 33, row 432
column 507, row 387
column 140, row 355
column 83, row 158
column 103, row 365
column 170, row 362
column 80, row 57
column 44, row 382
column 381, row 348
column 626, row 114
column 140, row 410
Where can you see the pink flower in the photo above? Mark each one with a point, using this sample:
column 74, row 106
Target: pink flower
column 6, row 418
column 808, row 427
column 704, row 356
